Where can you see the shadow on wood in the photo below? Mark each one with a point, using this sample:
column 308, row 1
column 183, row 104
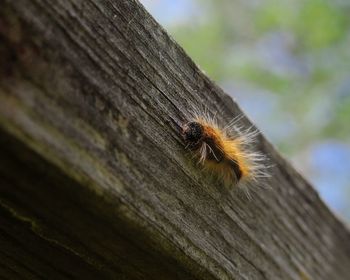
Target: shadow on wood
column 95, row 181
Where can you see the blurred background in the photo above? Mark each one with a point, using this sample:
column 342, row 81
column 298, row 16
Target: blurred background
column 287, row 64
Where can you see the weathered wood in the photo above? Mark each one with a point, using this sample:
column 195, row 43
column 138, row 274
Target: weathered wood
column 94, row 178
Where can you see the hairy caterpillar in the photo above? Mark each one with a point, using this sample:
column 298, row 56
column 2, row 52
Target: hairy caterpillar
column 226, row 151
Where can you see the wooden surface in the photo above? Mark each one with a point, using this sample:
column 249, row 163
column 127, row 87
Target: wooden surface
column 94, row 179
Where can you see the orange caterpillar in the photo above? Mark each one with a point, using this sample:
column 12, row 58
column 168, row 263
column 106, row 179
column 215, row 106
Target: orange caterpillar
column 225, row 151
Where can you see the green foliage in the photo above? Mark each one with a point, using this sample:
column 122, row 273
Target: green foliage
column 320, row 24
column 296, row 49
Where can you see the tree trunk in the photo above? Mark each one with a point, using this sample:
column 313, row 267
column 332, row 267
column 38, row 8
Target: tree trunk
column 95, row 182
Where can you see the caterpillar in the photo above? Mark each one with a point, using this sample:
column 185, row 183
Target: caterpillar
column 225, row 151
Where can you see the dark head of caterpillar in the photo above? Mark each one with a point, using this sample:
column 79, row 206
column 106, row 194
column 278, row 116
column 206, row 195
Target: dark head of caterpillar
column 213, row 150
column 192, row 134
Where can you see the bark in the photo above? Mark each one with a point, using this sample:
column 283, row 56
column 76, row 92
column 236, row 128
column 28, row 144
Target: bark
column 95, row 182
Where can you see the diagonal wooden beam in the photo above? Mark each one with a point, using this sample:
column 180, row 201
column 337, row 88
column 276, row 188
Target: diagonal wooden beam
column 94, row 178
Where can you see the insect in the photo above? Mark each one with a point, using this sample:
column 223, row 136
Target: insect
column 226, row 152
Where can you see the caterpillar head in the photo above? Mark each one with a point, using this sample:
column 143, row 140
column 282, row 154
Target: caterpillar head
column 192, row 133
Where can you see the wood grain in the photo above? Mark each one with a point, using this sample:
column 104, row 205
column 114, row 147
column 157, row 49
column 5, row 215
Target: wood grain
column 94, row 179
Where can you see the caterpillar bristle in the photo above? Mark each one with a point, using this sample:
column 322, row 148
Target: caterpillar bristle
column 226, row 151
